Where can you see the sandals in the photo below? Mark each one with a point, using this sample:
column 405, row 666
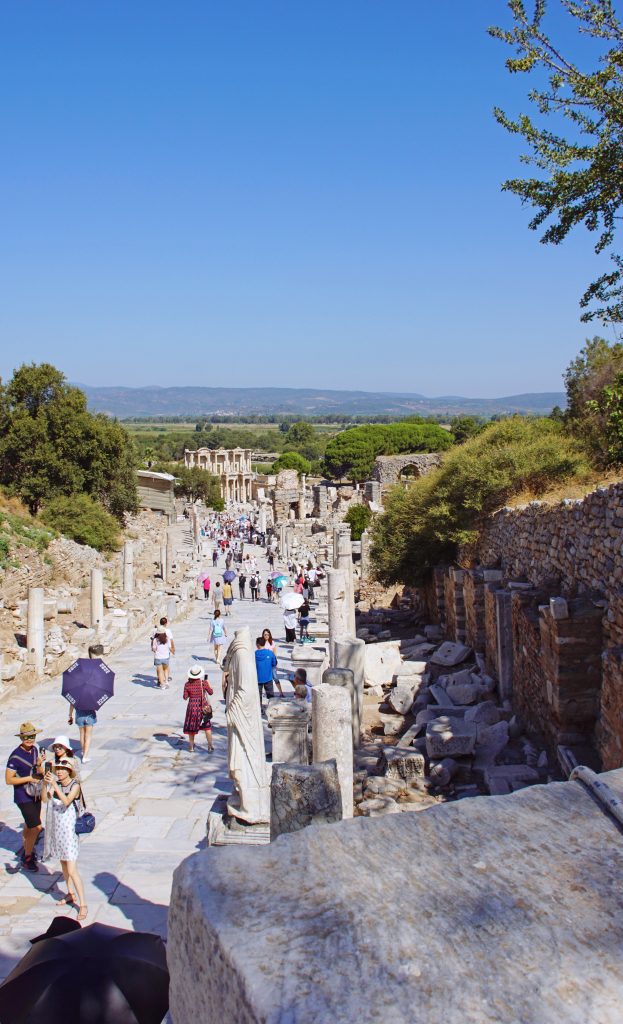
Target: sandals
column 68, row 901
column 83, row 912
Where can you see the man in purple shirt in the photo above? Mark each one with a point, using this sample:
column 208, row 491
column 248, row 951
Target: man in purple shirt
column 23, row 767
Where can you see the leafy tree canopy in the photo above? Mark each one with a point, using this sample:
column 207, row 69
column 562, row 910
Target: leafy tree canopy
column 292, row 460
column 462, row 427
column 51, row 445
column 423, row 525
column 576, row 139
column 302, row 438
column 195, row 483
column 595, row 402
column 358, row 518
column 351, row 454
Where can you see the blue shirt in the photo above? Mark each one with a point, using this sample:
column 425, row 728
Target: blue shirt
column 265, row 662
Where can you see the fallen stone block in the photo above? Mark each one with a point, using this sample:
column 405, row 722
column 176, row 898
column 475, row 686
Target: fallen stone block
column 466, row 693
column 420, row 651
column 395, row 763
column 380, row 786
column 407, row 738
column 442, row 773
column 433, row 632
column 411, row 668
column 440, row 695
column 374, row 691
column 515, row 776
column 378, row 806
column 381, row 662
column 491, row 741
column 401, row 698
column 392, row 726
column 450, row 737
column 302, row 794
column 486, row 713
column 450, row 654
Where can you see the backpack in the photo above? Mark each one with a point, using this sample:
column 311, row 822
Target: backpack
column 217, row 630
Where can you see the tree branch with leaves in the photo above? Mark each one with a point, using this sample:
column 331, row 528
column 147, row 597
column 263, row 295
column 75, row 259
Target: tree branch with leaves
column 582, row 158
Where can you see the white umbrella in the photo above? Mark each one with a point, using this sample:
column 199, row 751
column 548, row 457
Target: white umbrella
column 292, row 601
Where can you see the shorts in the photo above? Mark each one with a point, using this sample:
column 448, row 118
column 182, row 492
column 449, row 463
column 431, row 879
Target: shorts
column 85, row 718
column 31, row 813
column 227, row 601
column 160, row 661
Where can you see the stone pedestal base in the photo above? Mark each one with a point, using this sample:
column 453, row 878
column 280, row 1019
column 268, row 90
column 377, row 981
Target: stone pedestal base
column 224, row 830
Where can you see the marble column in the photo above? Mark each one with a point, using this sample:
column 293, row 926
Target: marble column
column 351, row 654
column 168, row 562
column 97, row 599
column 332, row 736
column 262, row 520
column 289, row 722
column 35, row 630
column 312, row 658
column 345, row 563
column 128, row 567
column 164, row 562
column 345, row 678
column 338, row 609
column 283, row 542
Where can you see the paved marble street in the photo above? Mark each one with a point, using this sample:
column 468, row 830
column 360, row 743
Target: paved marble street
column 149, row 794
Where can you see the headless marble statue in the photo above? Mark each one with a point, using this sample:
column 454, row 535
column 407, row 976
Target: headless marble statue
column 245, row 734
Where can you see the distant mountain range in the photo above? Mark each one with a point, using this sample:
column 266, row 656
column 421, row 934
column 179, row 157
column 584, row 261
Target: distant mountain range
column 196, row 401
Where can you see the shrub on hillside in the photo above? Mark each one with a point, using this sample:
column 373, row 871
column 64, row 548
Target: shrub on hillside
column 84, row 520
column 351, row 453
column 424, row 524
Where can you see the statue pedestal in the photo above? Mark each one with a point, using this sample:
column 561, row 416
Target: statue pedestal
column 223, row 830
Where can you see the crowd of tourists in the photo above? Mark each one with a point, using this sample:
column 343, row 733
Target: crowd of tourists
column 47, row 787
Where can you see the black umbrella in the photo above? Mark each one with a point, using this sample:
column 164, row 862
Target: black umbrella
column 98, row 975
column 88, row 683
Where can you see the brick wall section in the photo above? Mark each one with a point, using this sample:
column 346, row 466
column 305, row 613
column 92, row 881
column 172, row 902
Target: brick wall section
column 454, row 604
column 529, row 682
column 474, row 598
column 571, row 662
column 491, row 630
column 610, row 727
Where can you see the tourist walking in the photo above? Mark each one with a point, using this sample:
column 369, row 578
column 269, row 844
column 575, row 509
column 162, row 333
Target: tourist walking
column 217, row 596
column 242, row 585
column 217, row 635
column 303, row 613
column 207, row 583
column 163, row 647
column 214, row 558
column 60, row 793
column 228, row 596
column 269, row 589
column 24, row 772
column 289, row 622
column 164, row 625
column 197, row 690
column 272, row 646
column 253, row 584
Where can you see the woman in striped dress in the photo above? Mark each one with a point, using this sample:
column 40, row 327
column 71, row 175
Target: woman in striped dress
column 198, row 710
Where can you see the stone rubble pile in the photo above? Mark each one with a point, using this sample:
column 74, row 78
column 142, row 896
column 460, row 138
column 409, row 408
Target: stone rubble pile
column 441, row 731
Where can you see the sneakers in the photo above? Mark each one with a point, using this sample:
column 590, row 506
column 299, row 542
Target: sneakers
column 30, row 863
column 86, row 759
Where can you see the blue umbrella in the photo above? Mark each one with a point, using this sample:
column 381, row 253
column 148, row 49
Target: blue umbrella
column 88, row 683
column 229, row 575
column 279, row 580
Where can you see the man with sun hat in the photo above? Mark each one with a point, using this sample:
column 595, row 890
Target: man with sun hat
column 24, row 767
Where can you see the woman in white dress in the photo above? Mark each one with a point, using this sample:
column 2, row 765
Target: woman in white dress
column 60, row 793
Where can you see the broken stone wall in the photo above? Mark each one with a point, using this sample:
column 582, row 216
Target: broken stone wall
column 474, row 601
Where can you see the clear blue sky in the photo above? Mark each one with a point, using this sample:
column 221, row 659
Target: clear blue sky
column 273, row 193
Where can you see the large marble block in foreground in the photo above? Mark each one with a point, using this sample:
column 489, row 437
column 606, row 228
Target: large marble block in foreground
column 493, row 910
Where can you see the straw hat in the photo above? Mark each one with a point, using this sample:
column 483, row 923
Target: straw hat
column 27, row 729
column 195, row 672
column 66, row 763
